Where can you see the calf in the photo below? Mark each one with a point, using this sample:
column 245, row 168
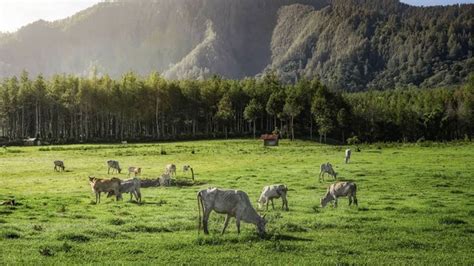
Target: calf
column 340, row 189
column 233, row 203
column 348, row 155
column 105, row 185
column 114, row 165
column 59, row 165
column 273, row 192
column 171, row 169
column 327, row 168
column 135, row 170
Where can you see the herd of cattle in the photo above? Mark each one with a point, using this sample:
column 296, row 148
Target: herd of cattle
column 233, row 203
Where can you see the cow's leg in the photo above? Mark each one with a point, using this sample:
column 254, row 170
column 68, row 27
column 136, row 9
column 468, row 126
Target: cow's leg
column 237, row 223
column 355, row 200
column 205, row 220
column 267, row 204
column 273, row 205
column 139, row 195
column 335, row 202
column 227, row 218
column 350, row 200
column 108, row 170
column 285, row 202
column 132, row 194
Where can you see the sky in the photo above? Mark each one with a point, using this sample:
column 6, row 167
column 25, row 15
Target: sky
column 17, row 13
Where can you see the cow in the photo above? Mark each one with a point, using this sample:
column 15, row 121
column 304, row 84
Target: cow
column 340, row 189
column 234, row 203
column 114, row 165
column 170, row 169
column 135, row 170
column 326, row 168
column 59, row 166
column 273, row 192
column 186, row 168
column 165, row 180
column 131, row 186
column 99, row 185
column 348, row 155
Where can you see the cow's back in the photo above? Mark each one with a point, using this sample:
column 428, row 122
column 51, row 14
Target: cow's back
column 343, row 188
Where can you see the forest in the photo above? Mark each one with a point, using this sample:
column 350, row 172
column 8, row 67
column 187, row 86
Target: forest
column 71, row 109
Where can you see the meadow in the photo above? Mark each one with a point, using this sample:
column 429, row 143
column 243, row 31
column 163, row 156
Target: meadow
column 416, row 205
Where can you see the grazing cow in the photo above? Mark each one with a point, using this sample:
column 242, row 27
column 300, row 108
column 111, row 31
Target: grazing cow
column 165, row 180
column 135, row 170
column 273, row 192
column 327, row 168
column 171, row 169
column 234, row 203
column 131, row 186
column 188, row 167
column 105, row 185
column 59, row 165
column 340, row 189
column 348, row 155
column 114, row 165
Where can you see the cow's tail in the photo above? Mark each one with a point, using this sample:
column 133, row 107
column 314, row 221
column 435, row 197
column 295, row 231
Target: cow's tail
column 200, row 206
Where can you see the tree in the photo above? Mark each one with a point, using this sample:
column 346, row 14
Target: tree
column 225, row 112
column 251, row 112
column 292, row 108
column 342, row 120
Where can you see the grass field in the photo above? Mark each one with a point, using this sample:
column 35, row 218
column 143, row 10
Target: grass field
column 416, row 205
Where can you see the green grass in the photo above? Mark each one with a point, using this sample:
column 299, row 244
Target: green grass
column 416, row 205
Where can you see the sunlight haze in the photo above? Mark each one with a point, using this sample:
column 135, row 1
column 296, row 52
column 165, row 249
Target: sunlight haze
column 17, row 13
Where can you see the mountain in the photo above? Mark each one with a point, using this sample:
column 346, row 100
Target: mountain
column 349, row 44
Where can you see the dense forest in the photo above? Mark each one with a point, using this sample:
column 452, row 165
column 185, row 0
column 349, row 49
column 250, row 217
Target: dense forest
column 348, row 44
column 68, row 109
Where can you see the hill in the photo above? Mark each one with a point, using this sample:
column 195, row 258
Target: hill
column 354, row 44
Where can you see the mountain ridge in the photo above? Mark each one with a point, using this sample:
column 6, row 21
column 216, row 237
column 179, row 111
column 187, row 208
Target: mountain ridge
column 354, row 45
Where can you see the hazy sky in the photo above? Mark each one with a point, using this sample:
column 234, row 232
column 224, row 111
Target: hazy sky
column 17, row 13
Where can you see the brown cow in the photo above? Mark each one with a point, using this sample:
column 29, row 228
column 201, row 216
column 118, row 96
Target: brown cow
column 99, row 185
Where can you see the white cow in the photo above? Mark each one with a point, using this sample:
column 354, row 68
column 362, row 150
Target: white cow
column 170, row 169
column 165, row 180
column 340, row 189
column 188, row 167
column 135, row 170
column 327, row 168
column 273, row 192
column 348, row 155
column 131, row 186
column 234, row 203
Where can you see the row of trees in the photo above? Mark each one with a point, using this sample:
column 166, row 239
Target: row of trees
column 67, row 108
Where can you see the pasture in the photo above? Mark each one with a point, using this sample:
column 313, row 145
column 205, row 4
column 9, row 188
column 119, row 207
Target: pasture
column 416, row 205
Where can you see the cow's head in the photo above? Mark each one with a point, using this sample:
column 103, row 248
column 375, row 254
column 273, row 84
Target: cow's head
column 261, row 226
column 261, row 202
column 325, row 200
column 92, row 179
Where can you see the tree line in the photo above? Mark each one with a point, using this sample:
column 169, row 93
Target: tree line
column 70, row 109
